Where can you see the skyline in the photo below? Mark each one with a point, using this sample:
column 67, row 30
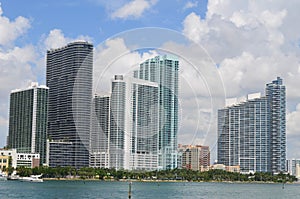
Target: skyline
column 241, row 39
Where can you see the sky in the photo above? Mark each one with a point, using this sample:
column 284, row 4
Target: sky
column 225, row 48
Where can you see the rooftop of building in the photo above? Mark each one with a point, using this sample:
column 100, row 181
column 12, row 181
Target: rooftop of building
column 77, row 42
column 122, row 78
column 32, row 85
column 163, row 57
column 239, row 100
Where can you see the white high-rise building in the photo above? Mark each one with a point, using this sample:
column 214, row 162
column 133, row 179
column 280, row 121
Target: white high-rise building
column 134, row 126
column 251, row 132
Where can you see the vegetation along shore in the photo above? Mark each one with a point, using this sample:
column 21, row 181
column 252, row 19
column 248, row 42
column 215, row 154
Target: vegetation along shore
column 69, row 173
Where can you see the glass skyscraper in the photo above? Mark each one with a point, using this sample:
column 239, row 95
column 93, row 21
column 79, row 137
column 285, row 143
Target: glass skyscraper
column 164, row 71
column 28, row 120
column 69, row 78
column 251, row 132
column 275, row 93
column 100, row 132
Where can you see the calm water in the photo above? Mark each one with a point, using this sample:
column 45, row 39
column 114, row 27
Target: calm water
column 140, row 190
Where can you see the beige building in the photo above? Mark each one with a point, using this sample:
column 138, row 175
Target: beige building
column 225, row 168
column 298, row 171
column 194, row 157
column 4, row 162
column 29, row 160
column 5, row 155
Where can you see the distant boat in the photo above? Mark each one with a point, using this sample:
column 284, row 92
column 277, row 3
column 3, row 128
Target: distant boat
column 14, row 176
column 32, row 178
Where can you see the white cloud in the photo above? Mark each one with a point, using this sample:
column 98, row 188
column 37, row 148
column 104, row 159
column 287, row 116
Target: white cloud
column 134, row 8
column 293, row 118
column 293, row 132
column 253, row 42
column 11, row 30
column 114, row 57
column 195, row 28
column 57, row 39
column 190, row 4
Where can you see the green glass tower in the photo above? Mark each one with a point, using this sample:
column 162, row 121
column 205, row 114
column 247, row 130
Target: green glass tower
column 164, row 71
column 28, row 120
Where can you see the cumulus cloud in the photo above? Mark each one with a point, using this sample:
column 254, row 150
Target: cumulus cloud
column 293, row 118
column 252, row 42
column 113, row 57
column 57, row 39
column 134, row 8
column 11, row 30
column 190, row 4
column 195, row 28
column 293, row 132
column 17, row 64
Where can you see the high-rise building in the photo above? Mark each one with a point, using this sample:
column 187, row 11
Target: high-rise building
column 251, row 131
column 194, row 157
column 291, row 166
column 164, row 71
column 244, row 135
column 275, row 93
column 28, row 120
column 100, row 132
column 69, row 77
column 134, row 124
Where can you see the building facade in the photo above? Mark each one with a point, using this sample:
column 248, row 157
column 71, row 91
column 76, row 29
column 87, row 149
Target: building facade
column 247, row 133
column 28, row 120
column 69, row 77
column 28, row 160
column 7, row 155
column 134, row 124
column 291, row 166
column 275, row 93
column 164, row 71
column 60, row 153
column 194, row 157
column 100, row 132
column 10, row 158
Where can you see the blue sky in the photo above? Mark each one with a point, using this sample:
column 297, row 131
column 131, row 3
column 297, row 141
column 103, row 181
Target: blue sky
column 93, row 17
column 231, row 48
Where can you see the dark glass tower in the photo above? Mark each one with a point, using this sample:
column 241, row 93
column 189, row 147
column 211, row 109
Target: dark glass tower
column 100, row 132
column 28, row 120
column 69, row 78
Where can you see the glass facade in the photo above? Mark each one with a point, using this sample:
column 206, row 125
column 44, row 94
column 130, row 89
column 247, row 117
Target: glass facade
column 100, row 133
column 275, row 92
column 69, row 77
column 252, row 133
column 164, row 71
column 134, row 124
column 28, row 120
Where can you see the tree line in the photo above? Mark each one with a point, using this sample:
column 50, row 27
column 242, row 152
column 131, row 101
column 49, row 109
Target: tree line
column 175, row 174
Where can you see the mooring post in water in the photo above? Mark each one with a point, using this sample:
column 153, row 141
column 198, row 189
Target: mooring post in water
column 129, row 191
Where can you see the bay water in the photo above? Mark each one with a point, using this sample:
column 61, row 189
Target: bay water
column 148, row 190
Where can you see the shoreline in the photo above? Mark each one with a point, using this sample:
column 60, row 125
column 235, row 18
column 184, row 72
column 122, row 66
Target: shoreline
column 163, row 181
